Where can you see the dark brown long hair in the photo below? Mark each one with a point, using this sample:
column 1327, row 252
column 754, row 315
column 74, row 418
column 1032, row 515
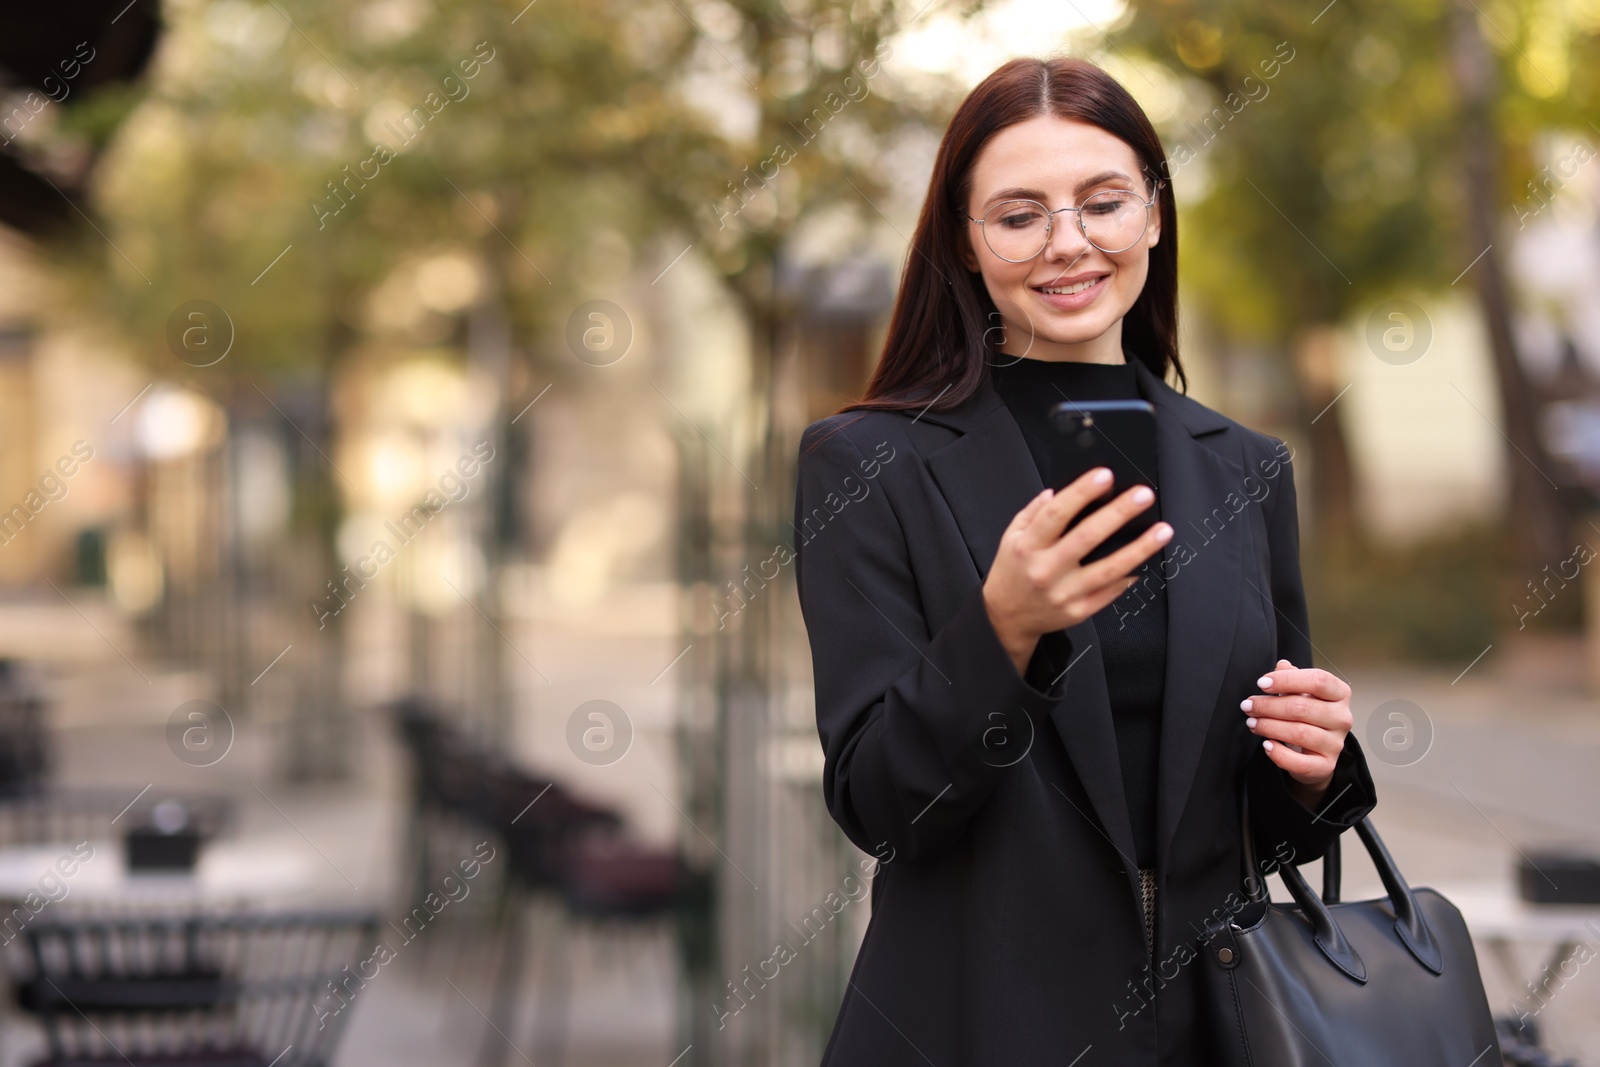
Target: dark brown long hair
column 936, row 345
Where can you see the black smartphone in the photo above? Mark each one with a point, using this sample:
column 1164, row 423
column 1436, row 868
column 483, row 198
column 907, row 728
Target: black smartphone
column 1116, row 434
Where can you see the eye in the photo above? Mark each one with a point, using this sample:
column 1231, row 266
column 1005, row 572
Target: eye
column 1108, row 203
column 1018, row 216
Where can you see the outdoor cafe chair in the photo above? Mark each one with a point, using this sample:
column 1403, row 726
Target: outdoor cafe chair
column 197, row 989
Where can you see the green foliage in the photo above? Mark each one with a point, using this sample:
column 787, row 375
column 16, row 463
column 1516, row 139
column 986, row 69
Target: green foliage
column 95, row 117
column 1439, row 600
column 591, row 122
column 1332, row 179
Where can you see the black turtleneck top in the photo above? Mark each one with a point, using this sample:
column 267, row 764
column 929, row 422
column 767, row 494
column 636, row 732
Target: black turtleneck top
column 1132, row 630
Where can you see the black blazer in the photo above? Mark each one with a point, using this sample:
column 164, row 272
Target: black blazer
column 1007, row 925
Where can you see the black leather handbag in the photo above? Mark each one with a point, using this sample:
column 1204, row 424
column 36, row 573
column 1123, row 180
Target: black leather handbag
column 1390, row 982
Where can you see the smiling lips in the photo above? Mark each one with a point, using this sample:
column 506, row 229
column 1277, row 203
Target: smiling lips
column 1072, row 289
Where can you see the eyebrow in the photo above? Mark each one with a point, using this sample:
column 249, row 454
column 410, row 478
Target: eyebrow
column 1035, row 194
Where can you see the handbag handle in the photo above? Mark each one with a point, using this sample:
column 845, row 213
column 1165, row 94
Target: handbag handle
column 1330, row 874
column 1409, row 923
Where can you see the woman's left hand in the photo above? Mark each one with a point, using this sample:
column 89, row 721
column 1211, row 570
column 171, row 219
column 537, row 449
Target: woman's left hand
column 1304, row 715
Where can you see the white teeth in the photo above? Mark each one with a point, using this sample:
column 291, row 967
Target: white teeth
column 1071, row 289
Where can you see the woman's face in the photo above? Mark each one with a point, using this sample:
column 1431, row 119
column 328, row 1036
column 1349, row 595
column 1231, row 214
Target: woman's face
column 1061, row 161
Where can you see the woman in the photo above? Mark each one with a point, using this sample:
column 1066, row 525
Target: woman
column 1046, row 754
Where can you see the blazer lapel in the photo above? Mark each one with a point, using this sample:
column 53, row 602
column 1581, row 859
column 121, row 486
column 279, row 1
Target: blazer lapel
column 1203, row 572
column 987, row 475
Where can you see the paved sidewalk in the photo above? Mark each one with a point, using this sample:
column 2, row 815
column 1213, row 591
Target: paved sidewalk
column 425, row 1009
column 1512, row 764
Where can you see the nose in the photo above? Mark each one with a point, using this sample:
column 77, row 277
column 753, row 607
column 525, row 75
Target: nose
column 1066, row 240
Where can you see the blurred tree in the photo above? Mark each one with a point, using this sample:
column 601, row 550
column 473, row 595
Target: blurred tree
column 810, row 120
column 87, row 60
column 291, row 158
column 1345, row 156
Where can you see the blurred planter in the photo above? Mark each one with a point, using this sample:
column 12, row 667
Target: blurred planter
column 150, row 849
column 168, row 840
column 1436, row 600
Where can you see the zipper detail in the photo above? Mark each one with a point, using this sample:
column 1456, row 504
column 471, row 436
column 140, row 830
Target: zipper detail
column 1147, row 893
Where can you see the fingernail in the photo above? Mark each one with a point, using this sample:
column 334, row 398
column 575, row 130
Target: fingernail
column 1251, row 722
column 1102, row 476
column 1163, row 533
column 1244, row 705
column 1265, row 681
column 1267, row 745
column 1143, row 495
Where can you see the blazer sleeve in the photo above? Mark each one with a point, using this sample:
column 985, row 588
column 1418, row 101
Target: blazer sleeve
column 1277, row 818
column 916, row 727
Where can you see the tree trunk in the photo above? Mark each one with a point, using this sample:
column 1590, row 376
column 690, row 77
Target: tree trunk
column 1335, row 513
column 1539, row 523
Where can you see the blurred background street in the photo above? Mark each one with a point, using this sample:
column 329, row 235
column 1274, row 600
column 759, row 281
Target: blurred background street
column 398, row 415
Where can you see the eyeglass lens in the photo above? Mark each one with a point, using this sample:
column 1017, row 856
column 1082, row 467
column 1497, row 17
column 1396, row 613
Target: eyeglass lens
column 1112, row 220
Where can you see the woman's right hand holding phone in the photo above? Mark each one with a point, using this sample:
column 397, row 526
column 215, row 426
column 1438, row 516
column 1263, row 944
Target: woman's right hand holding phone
column 1037, row 584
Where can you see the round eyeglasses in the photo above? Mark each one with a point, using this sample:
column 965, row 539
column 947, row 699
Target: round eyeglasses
column 1112, row 220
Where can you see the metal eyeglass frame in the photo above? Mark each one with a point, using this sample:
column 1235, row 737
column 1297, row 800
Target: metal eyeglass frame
column 1049, row 221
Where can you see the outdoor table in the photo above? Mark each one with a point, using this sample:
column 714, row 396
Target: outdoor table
column 227, row 871
column 1498, row 917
